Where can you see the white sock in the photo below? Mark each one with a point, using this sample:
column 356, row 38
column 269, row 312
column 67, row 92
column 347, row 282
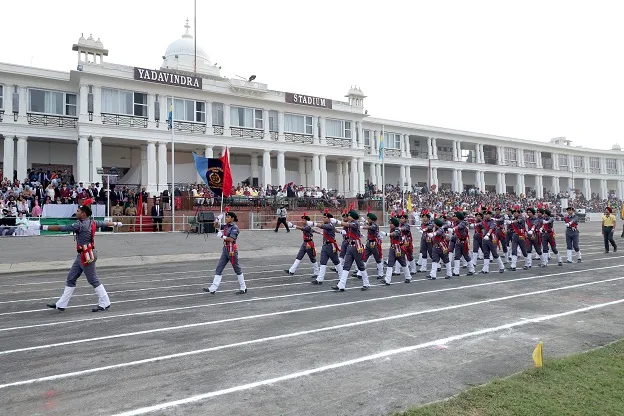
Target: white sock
column 514, row 260
column 65, row 297
column 380, row 269
column 412, row 266
column 388, row 275
column 365, row 281
column 449, row 269
column 545, row 259
column 343, row 279
column 471, row 268
column 315, row 265
column 293, row 268
column 578, row 255
column 486, row 265
column 456, row 266
column 434, row 269
column 501, row 265
column 339, row 269
column 569, row 255
column 321, row 274
column 528, row 261
column 215, row 283
column 241, row 281
column 558, row 257
column 103, row 299
column 406, row 273
column 423, row 265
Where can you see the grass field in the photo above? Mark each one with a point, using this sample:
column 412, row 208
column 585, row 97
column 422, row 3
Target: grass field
column 588, row 384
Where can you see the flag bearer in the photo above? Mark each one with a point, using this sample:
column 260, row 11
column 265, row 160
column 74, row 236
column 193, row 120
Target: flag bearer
column 307, row 247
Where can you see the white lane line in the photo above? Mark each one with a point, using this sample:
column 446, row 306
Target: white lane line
column 377, row 356
column 257, row 316
column 182, row 308
column 269, row 286
column 297, row 334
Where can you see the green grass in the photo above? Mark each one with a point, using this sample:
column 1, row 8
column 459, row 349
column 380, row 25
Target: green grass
column 588, row 384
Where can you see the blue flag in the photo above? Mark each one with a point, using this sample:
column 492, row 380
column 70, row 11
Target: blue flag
column 215, row 172
column 381, row 145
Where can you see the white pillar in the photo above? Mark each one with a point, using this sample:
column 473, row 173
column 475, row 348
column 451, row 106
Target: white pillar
column 209, row 127
column 8, row 157
column 315, row 134
column 403, row 146
column 361, row 176
column 339, row 177
column 455, row 157
column 503, row 183
column 429, row 148
column 603, row 165
column 316, row 171
column 354, row 178
column 354, row 144
column 539, row 185
column 483, row 184
column 255, row 170
column 309, row 173
column 620, row 189
column 209, row 152
column 408, row 152
column 502, row 155
column 151, row 168
column 345, row 177
column 266, row 135
column 402, row 177
column 373, row 173
column 226, row 120
column 586, row 164
column 538, row 156
column 162, row 166
column 454, row 184
column 96, row 159
column 460, row 180
column 322, row 138
column 323, row 166
column 434, row 143
column 499, row 182
column 302, row 171
column 519, row 184
column 22, row 164
column 380, row 178
column 266, row 168
column 281, row 168
column 459, row 151
column 478, row 152
column 571, row 185
column 478, row 178
column 280, row 126
column 408, row 176
column 434, row 178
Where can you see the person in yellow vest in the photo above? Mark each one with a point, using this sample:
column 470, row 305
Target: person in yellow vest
column 622, row 217
column 608, row 225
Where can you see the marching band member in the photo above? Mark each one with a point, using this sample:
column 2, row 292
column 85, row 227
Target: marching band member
column 477, row 237
column 354, row 251
column 518, row 224
column 426, row 227
column 461, row 249
column 330, row 248
column 373, row 244
column 548, row 237
column 229, row 254
column 84, row 230
column 440, row 249
column 408, row 240
column 501, row 230
column 397, row 252
column 572, row 235
column 307, row 247
column 489, row 244
column 535, row 237
column 345, row 242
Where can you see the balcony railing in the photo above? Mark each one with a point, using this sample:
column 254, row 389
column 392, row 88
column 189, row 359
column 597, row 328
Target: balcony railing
column 530, row 164
column 244, row 132
column 189, row 127
column 218, row 130
column 547, row 165
column 579, row 169
column 124, row 120
column 392, row 152
column 274, row 135
column 490, row 161
column 594, row 170
column 1, row 115
column 445, row 156
column 511, row 163
column 612, row 171
column 298, row 138
column 338, row 142
column 418, row 154
column 53, row 121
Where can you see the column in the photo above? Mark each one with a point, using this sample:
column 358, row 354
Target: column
column 209, row 127
column 309, row 173
column 226, row 120
column 570, row 184
column 620, row 189
column 555, row 185
column 339, row 177
column 502, row 155
column 429, row 148
column 571, row 163
column 21, row 162
column 403, row 146
column 151, row 168
column 434, row 143
column 503, row 183
column 586, row 164
column 587, row 188
column 354, row 143
column 603, row 165
column 408, row 150
column 408, row 175
column 96, row 159
column 266, row 168
column 361, row 176
column 380, row 178
column 478, row 178
column 266, row 135
column 539, row 186
column 498, row 181
column 460, row 180
column 345, row 177
column 459, row 151
column 455, row 157
column 555, row 161
column 479, row 149
column 402, row 176
column 82, row 159
column 455, row 184
column 373, row 174
column 519, row 184
column 322, row 138
column 281, row 168
column 316, row 171
column 604, row 190
column 354, row 177
column 538, row 156
column 361, row 134
column 280, row 126
column 482, row 157
column 434, row 178
column 162, row 166
column 315, row 135
column 323, row 163
column 8, row 157
column 209, row 152
column 255, row 171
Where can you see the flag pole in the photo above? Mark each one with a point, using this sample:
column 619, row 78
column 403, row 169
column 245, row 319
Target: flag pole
column 172, row 198
column 383, row 177
column 195, row 32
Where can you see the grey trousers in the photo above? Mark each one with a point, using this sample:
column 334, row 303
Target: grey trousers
column 572, row 240
column 303, row 251
column 534, row 243
column 392, row 259
column 374, row 251
column 328, row 253
column 225, row 259
column 518, row 242
column 77, row 269
column 488, row 247
column 353, row 256
column 344, row 248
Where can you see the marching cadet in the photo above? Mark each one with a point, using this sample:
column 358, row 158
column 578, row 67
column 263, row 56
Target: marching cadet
column 477, row 237
column 518, row 225
column 440, row 249
column 426, row 227
column 330, row 248
column 535, row 237
column 572, row 235
column 229, row 254
column 396, row 254
column 489, row 243
column 510, row 232
column 345, row 242
column 354, row 251
column 373, row 244
column 408, row 241
column 548, row 237
column 84, row 230
column 461, row 249
column 501, row 230
column 307, row 247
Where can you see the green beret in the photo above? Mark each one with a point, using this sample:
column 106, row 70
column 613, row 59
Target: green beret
column 439, row 222
column 353, row 214
column 547, row 212
column 531, row 210
column 372, row 216
column 394, row 221
column 459, row 215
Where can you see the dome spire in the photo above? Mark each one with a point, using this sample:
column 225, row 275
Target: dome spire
column 187, row 27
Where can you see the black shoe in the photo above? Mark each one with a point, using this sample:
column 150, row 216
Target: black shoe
column 569, row 261
column 275, row 230
column 365, row 288
column 241, row 292
column 614, row 249
column 386, row 283
column 448, row 277
column 289, row 273
column 337, row 288
column 464, row 267
column 560, row 263
column 380, row 277
column 606, row 251
column 431, row 277
column 579, row 261
column 99, row 309
column 513, row 269
column 407, row 281
column 396, row 274
column 525, row 268
column 333, row 269
column 501, row 270
column 316, row 282
column 455, row 274
column 53, row 306
column 208, row 290
column 470, row 274
column 354, row 274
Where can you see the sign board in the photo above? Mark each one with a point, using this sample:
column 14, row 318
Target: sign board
column 308, row 100
column 168, row 78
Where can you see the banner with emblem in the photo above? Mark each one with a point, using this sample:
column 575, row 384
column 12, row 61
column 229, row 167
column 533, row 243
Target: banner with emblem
column 216, row 173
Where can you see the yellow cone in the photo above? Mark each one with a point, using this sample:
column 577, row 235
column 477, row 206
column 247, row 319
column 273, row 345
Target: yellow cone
column 537, row 355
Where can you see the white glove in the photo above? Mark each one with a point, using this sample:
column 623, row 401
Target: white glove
column 541, row 230
column 333, row 220
column 361, row 227
column 530, row 232
column 567, row 225
column 430, row 235
column 451, row 231
column 220, row 217
column 117, row 224
column 485, row 237
column 220, row 234
column 507, row 222
column 294, row 227
column 311, row 224
column 383, row 233
column 450, row 224
column 343, row 232
column 290, row 225
column 224, row 237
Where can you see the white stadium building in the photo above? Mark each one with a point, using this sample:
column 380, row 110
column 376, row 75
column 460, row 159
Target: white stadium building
column 102, row 115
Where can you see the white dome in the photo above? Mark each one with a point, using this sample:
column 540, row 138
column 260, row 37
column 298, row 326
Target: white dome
column 180, row 55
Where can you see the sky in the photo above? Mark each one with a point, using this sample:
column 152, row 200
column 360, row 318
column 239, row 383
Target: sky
column 527, row 69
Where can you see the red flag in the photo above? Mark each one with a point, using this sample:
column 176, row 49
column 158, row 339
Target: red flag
column 227, row 173
column 140, row 204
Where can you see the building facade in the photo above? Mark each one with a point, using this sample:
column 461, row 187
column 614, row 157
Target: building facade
column 104, row 115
